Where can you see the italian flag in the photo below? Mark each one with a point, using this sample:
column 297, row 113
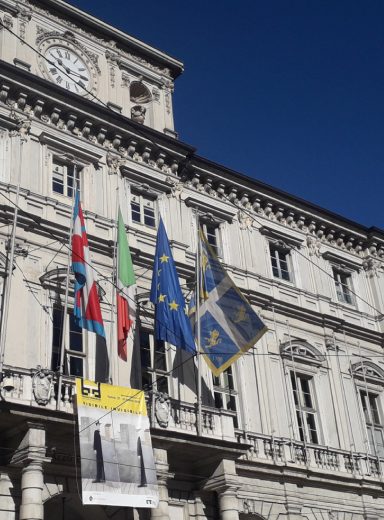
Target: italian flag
column 126, row 282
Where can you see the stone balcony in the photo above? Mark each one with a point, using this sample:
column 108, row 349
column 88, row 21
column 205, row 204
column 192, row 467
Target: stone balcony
column 38, row 388
column 279, row 451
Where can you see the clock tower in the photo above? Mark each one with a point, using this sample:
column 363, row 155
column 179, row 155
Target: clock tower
column 81, row 55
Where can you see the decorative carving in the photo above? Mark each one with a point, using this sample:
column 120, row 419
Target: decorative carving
column 368, row 371
column 314, row 246
column 107, row 44
column 8, row 21
column 70, row 37
column 42, row 385
column 22, row 127
column 125, row 81
column 26, row 106
column 301, row 351
column 245, row 221
column 162, row 409
column 253, row 507
column 372, row 266
column 177, row 187
column 156, row 94
column 24, row 14
column 114, row 162
column 138, row 114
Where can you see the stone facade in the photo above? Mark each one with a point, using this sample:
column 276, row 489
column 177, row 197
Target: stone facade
column 295, row 429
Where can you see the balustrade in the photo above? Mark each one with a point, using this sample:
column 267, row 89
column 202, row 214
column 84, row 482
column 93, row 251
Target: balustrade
column 39, row 388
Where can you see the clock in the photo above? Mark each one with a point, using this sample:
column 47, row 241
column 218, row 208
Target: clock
column 67, row 69
column 69, row 64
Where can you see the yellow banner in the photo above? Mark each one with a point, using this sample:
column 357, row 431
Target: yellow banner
column 108, row 397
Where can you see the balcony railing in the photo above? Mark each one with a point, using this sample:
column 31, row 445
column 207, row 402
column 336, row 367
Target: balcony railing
column 287, row 452
column 38, row 388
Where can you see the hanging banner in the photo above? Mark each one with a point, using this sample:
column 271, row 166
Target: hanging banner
column 117, row 464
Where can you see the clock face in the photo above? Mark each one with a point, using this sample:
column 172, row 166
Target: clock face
column 68, row 69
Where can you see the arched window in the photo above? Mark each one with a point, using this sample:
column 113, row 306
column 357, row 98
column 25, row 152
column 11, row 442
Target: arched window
column 369, row 380
column 302, row 362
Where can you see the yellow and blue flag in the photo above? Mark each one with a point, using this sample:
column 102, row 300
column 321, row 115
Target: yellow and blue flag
column 228, row 324
column 171, row 320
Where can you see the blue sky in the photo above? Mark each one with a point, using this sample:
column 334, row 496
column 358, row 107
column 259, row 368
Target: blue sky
column 286, row 91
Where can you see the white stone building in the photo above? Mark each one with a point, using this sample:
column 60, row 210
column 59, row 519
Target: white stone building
column 294, row 430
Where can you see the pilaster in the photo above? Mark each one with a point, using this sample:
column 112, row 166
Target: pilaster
column 31, row 455
column 163, row 475
column 225, row 483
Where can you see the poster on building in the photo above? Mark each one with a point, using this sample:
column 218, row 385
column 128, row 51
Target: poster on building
column 117, row 464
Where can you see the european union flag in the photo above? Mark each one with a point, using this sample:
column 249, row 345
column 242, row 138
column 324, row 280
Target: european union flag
column 228, row 324
column 171, row 321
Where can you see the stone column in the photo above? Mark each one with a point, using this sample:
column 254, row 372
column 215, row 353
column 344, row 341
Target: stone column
column 161, row 460
column 31, row 456
column 32, row 482
column 224, row 482
column 228, row 503
column 8, row 504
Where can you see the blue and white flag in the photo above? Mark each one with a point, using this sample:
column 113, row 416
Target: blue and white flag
column 171, row 320
column 228, row 324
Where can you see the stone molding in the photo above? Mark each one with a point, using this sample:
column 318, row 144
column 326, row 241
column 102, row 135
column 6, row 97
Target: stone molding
column 26, row 107
column 369, row 372
column 107, row 44
column 301, row 351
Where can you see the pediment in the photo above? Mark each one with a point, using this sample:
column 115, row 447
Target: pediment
column 56, row 279
column 368, row 371
column 302, row 352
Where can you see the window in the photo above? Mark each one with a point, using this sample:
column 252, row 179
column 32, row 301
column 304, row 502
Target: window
column 153, row 362
column 143, row 210
column 343, row 283
column 74, row 355
column 65, row 178
column 211, row 231
column 224, row 393
column 305, row 407
column 280, row 260
column 370, row 404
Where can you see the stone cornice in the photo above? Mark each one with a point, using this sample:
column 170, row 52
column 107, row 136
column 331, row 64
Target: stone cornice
column 31, row 98
column 126, row 143
column 122, row 44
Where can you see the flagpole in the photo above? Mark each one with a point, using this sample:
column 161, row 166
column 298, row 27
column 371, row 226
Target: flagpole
column 198, row 282
column 65, row 311
column 114, row 289
column 8, row 283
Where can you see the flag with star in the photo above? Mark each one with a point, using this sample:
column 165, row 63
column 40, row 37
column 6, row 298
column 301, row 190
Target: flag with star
column 171, row 320
column 228, row 324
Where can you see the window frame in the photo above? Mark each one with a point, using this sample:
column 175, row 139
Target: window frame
column 68, row 173
column 302, row 410
column 140, row 199
column 279, row 249
column 343, row 289
column 372, row 427
column 71, row 330
column 213, row 229
column 154, row 374
column 220, row 387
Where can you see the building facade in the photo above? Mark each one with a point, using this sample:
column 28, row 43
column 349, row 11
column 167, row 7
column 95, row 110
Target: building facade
column 295, row 428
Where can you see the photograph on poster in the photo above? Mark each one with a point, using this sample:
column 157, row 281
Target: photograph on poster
column 117, row 465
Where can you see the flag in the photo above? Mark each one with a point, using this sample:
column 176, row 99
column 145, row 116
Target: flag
column 171, row 320
column 228, row 324
column 125, row 289
column 86, row 311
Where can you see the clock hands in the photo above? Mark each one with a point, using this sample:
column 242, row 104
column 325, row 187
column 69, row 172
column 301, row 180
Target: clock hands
column 70, row 71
